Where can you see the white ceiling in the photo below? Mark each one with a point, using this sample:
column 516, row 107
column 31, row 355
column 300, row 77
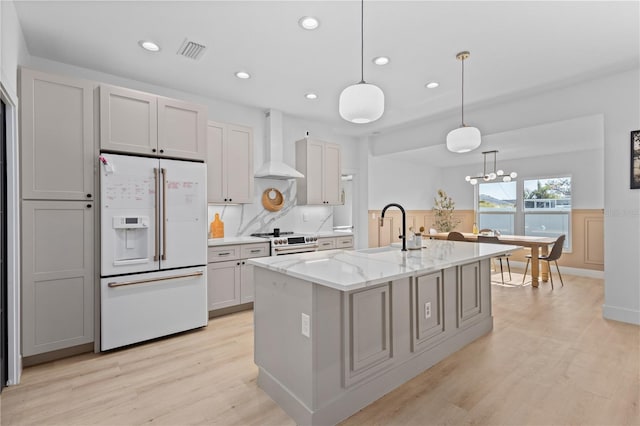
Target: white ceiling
column 516, row 47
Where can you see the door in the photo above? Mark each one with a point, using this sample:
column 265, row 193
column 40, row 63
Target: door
column 128, row 121
column 223, row 284
column 57, row 275
column 183, row 214
column 145, row 306
column 56, row 137
column 314, row 172
column 182, row 129
column 216, row 164
column 239, row 159
column 4, row 335
column 332, row 174
column 129, row 213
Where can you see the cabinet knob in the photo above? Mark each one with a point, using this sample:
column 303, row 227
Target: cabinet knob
column 88, row 206
column 88, row 195
column 225, row 199
column 243, row 263
column 153, row 150
column 162, row 151
column 230, row 199
column 238, row 263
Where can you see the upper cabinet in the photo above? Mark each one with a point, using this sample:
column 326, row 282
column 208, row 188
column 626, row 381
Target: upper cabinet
column 141, row 123
column 320, row 163
column 57, row 137
column 229, row 163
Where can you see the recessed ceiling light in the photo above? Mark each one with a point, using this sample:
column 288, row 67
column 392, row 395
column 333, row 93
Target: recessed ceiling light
column 311, row 96
column 381, row 60
column 308, row 23
column 149, row 45
column 243, row 75
column 432, row 85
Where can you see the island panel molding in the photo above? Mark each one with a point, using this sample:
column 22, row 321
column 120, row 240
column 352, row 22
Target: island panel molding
column 365, row 337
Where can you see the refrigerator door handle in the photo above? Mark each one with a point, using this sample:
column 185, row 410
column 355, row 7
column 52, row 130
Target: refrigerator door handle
column 151, row 280
column 156, row 212
column 164, row 213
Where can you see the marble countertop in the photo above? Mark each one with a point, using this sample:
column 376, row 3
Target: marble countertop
column 329, row 234
column 348, row 270
column 212, row 242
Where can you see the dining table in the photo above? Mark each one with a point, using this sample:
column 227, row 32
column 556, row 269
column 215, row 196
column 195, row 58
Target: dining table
column 538, row 246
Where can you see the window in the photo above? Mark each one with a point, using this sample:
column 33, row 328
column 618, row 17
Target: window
column 497, row 206
column 547, row 207
column 537, row 207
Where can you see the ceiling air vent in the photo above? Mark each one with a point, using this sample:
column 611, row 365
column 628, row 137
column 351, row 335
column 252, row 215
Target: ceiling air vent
column 191, row 50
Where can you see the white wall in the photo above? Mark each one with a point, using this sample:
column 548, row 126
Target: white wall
column 585, row 167
column 411, row 185
column 617, row 97
column 12, row 52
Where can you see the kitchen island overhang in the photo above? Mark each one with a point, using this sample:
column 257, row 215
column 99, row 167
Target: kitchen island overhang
column 336, row 330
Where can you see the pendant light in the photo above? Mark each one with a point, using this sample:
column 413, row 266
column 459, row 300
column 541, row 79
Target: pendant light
column 362, row 102
column 464, row 138
column 488, row 176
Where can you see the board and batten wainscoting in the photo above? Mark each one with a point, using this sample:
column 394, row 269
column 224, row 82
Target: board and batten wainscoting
column 587, row 234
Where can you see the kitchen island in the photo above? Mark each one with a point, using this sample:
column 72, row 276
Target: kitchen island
column 336, row 330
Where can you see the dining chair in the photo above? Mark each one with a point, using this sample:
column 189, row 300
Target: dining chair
column 455, row 236
column 554, row 255
column 495, row 240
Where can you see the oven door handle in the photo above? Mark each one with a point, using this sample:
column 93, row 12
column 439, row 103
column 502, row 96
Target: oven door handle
column 293, row 250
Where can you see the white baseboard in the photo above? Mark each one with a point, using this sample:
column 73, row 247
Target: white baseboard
column 590, row 273
column 621, row 314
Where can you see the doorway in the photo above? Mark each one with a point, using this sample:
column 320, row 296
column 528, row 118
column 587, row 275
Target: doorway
column 4, row 335
column 343, row 213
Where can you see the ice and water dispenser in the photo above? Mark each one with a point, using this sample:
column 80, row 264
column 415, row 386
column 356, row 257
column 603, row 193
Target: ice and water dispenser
column 132, row 239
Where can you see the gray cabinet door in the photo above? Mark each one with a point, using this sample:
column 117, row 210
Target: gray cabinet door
column 367, row 333
column 223, row 284
column 247, row 286
column 469, row 298
column 182, row 129
column 128, row 121
column 216, row 163
column 427, row 311
column 57, row 137
column 239, row 159
column 57, row 275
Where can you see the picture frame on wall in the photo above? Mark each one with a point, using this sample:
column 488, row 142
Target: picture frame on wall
column 635, row 159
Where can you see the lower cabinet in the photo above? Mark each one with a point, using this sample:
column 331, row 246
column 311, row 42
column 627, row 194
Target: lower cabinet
column 229, row 277
column 330, row 243
column 57, row 275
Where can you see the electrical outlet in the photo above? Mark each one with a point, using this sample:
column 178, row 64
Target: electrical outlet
column 305, row 217
column 427, row 310
column 306, row 325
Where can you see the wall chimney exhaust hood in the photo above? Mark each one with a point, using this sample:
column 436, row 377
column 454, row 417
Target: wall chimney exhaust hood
column 274, row 167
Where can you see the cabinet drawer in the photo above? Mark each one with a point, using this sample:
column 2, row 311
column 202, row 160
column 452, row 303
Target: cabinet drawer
column 222, row 253
column 344, row 242
column 254, row 250
column 326, row 243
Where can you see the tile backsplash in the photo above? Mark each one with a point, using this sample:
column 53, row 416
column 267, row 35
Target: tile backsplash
column 245, row 219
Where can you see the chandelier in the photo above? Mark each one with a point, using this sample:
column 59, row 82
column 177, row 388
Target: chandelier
column 493, row 174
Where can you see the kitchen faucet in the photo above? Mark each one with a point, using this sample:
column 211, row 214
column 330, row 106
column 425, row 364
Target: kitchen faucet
column 404, row 223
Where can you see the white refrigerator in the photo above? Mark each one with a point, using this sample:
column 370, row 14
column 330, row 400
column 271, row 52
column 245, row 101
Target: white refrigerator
column 153, row 218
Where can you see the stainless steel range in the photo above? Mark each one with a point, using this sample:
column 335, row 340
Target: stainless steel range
column 289, row 242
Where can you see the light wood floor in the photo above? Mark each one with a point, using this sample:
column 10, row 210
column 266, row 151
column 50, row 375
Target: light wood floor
column 551, row 359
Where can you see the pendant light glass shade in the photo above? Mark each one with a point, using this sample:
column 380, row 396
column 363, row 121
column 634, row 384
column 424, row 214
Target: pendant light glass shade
column 361, row 103
column 464, row 138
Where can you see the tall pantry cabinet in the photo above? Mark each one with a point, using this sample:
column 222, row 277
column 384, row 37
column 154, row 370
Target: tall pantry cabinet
column 58, row 212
